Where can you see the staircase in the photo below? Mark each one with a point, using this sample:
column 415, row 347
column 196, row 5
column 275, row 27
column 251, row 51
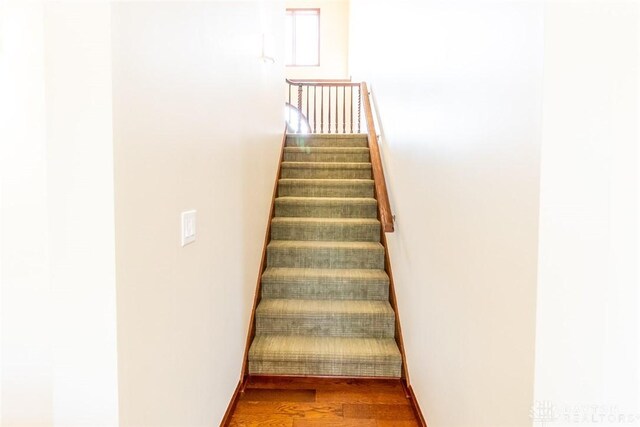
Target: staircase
column 324, row 307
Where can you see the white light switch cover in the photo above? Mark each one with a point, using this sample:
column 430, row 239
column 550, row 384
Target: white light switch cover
column 188, row 227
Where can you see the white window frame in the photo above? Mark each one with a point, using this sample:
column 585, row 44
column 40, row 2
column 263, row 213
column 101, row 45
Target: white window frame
column 293, row 11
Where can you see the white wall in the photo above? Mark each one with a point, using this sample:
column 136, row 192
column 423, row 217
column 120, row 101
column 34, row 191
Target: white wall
column 58, row 278
column 197, row 125
column 587, row 329
column 80, row 200
column 195, row 122
column 458, row 89
column 334, row 40
column 26, row 386
column 463, row 121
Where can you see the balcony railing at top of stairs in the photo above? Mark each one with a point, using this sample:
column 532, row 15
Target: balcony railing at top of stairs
column 324, row 106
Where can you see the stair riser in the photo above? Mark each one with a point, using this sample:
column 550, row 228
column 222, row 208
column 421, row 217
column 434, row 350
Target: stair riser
column 325, row 258
column 326, row 232
column 343, row 210
column 314, row 190
column 326, row 291
column 306, row 173
column 337, row 368
column 326, row 325
column 326, row 142
column 326, row 157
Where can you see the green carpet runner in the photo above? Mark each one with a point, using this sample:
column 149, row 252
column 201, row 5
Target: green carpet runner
column 325, row 295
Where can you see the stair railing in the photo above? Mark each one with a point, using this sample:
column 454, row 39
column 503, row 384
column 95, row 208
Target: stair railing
column 314, row 107
column 328, row 106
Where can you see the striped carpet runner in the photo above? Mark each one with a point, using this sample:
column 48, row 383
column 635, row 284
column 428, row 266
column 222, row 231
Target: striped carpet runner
column 325, row 295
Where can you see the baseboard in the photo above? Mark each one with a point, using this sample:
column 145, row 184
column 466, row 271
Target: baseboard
column 414, row 405
column 232, row 404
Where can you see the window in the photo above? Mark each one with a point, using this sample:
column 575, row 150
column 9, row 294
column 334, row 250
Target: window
column 303, row 37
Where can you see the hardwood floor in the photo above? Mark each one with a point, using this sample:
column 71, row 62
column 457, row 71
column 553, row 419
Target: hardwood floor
column 327, row 402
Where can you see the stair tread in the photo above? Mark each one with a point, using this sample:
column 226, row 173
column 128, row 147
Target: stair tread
column 326, row 181
column 326, row 165
column 297, row 307
column 326, row 200
column 272, row 274
column 332, row 150
column 322, row 221
column 325, row 283
column 319, row 244
column 317, row 348
column 325, row 207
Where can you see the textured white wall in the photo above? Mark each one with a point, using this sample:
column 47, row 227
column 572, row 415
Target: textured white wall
column 458, row 89
column 587, row 324
column 197, row 125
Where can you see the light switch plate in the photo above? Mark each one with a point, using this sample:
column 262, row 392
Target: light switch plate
column 188, row 227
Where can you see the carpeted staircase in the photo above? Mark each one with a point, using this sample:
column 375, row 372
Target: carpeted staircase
column 325, row 295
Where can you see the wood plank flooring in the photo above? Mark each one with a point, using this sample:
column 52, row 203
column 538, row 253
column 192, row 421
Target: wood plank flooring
column 327, row 402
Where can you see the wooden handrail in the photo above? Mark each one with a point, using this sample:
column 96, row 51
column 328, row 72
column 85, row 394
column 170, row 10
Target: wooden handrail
column 384, row 208
column 293, row 81
column 323, row 83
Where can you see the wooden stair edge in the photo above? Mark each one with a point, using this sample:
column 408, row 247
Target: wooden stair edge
column 263, row 262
